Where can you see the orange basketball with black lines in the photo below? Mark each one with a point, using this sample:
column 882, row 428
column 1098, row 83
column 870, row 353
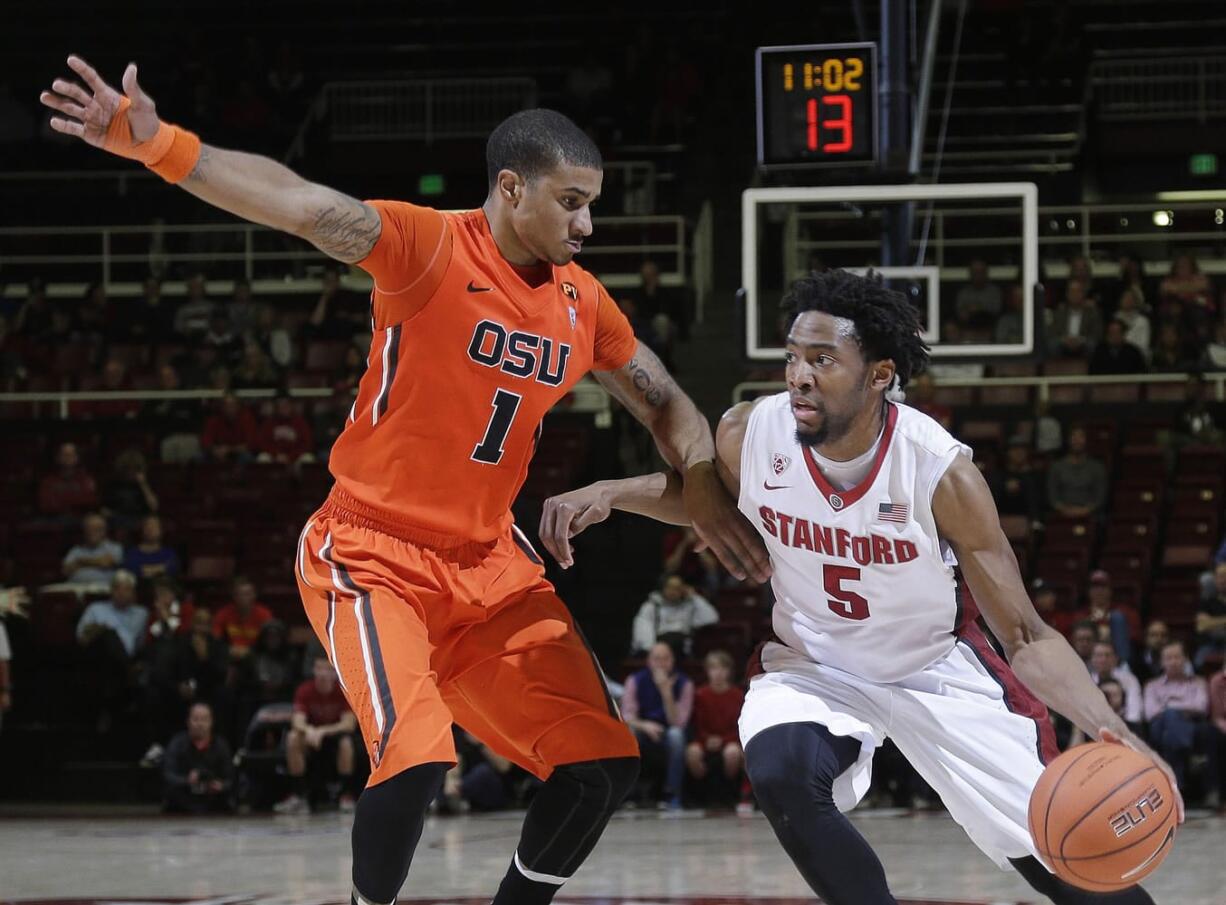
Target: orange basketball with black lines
column 1103, row 816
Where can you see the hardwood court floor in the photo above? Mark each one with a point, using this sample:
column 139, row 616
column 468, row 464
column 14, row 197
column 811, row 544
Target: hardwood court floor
column 643, row 859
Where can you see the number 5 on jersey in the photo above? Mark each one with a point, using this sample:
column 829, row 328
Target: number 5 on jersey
column 490, row 449
column 847, row 604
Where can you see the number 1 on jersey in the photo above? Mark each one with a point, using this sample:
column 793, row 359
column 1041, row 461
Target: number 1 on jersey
column 505, row 405
column 847, row 604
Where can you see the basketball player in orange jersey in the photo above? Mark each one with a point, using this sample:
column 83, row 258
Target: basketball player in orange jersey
column 432, row 605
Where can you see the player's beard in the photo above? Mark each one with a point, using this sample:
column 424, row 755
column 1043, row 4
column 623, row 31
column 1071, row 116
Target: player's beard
column 832, row 428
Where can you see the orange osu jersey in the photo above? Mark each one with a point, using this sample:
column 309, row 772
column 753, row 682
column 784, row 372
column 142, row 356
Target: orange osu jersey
column 467, row 358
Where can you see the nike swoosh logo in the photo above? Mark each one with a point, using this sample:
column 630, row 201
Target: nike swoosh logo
column 474, row 288
column 767, row 486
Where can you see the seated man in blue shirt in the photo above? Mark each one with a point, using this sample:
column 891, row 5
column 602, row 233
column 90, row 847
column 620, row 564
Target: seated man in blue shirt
column 151, row 558
column 657, row 704
column 112, row 633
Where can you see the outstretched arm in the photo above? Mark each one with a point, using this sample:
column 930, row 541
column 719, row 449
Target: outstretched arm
column 249, row 186
column 966, row 517
column 663, row 497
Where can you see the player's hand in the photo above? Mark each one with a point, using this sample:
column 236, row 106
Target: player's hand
column 87, row 112
column 720, row 525
column 1131, row 741
column 567, row 515
column 14, row 602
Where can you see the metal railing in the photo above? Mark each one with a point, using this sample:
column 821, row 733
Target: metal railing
column 1063, row 231
column 587, row 396
column 751, row 389
column 121, row 255
column 424, row 109
column 1151, row 88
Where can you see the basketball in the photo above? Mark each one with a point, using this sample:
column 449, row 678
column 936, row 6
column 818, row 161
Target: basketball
column 1103, row 816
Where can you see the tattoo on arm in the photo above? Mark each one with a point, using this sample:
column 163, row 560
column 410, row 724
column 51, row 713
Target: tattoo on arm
column 198, row 171
column 346, row 229
column 653, row 391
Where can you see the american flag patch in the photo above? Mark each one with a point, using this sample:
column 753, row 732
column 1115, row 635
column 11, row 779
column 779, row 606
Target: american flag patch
column 892, row 512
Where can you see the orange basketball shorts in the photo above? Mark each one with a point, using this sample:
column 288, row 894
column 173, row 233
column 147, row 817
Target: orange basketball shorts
column 422, row 636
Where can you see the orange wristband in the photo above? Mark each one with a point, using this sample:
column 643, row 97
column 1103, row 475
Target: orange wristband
column 172, row 152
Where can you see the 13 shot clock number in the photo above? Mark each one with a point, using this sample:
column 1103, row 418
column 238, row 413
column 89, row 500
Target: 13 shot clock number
column 817, row 105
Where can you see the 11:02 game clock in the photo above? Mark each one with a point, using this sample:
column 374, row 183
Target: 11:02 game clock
column 817, row 105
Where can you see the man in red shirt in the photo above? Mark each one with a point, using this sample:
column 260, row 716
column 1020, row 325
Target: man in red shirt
column 716, row 744
column 70, row 489
column 239, row 623
column 321, row 732
column 230, row 433
column 285, row 436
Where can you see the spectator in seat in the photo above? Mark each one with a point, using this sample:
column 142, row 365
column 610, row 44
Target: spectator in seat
column 112, row 632
column 12, row 601
column 33, row 320
column 345, row 381
column 70, row 490
column 1076, row 326
column 716, row 751
column 177, row 420
column 94, row 315
column 192, row 316
column 921, row 394
column 150, row 558
column 1186, row 283
column 1048, row 606
column 198, row 665
column 1009, row 327
column 663, row 308
column 1217, row 715
column 1196, row 423
column 1104, row 667
column 238, row 623
column 92, row 562
column 170, row 618
column 220, row 336
column 1132, row 278
column 1177, row 708
column 269, row 334
column 1146, row 663
column 1211, row 621
column 285, row 436
column 127, row 497
column 978, row 303
column 1136, row 323
column 1214, row 357
column 1083, row 638
column 198, row 768
column 321, row 732
column 1113, row 691
column 153, row 318
column 657, row 702
column 230, row 434
column 698, row 568
column 1080, row 271
column 1115, row 355
column 337, row 314
column 1117, row 623
column 1077, row 483
column 671, row 614
column 1019, row 489
column 256, row 371
column 240, row 309
column 12, row 361
column 115, row 379
column 270, row 673
column 1172, row 351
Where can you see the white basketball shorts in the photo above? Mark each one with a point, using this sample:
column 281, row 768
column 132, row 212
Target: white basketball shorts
column 966, row 724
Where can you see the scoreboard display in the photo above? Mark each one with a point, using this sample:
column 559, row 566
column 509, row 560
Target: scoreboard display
column 817, row 105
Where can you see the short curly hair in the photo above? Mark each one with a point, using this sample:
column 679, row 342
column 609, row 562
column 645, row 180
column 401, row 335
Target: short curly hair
column 887, row 325
column 534, row 142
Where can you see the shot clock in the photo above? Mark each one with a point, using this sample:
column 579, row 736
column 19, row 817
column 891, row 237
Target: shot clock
column 817, row 105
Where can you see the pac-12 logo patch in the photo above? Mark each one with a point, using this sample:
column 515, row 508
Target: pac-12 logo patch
column 570, row 291
column 573, row 316
column 780, row 463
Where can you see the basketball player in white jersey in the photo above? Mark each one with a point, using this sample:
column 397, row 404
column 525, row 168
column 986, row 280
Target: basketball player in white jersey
column 865, row 507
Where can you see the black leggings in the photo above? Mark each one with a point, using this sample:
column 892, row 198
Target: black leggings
column 793, row 768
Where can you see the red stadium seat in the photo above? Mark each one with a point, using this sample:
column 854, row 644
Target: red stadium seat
column 1004, row 395
column 1130, row 534
column 1015, row 527
column 1069, row 534
column 1129, row 566
column 1191, row 531
column 1164, row 392
column 325, row 356
column 214, row 569
column 1186, row 556
column 54, row 617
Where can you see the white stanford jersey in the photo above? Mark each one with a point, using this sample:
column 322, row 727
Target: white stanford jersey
column 862, row 582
